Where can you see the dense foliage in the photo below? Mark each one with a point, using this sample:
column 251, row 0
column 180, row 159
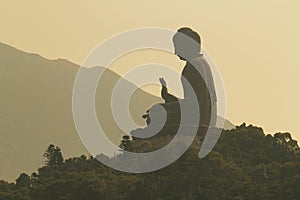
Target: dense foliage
column 245, row 164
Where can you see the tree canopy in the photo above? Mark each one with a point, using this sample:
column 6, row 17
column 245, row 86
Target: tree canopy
column 245, row 164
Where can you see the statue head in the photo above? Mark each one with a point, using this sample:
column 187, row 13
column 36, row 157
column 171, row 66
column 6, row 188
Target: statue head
column 187, row 43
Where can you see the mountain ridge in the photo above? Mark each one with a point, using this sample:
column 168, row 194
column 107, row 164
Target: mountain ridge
column 36, row 108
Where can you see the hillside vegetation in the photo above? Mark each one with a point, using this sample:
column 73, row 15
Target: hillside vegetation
column 245, row 164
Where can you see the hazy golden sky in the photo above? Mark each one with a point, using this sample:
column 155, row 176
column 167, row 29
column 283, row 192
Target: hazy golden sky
column 254, row 43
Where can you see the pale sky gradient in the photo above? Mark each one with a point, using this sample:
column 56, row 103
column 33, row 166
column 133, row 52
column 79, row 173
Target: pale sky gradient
column 254, row 43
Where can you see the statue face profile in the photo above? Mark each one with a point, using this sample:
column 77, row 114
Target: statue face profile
column 186, row 43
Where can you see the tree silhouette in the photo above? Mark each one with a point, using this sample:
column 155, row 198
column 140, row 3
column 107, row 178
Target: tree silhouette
column 125, row 143
column 53, row 156
column 23, row 181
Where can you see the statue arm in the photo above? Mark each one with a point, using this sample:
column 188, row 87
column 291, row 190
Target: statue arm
column 164, row 92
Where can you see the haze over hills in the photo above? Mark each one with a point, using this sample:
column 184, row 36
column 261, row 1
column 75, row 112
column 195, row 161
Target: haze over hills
column 36, row 109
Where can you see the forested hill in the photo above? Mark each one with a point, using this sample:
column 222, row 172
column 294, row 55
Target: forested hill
column 245, row 164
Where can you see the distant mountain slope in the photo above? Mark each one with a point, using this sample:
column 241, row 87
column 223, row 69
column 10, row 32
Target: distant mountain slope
column 35, row 109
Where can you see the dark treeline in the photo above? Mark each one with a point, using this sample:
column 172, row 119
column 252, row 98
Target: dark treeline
column 245, row 164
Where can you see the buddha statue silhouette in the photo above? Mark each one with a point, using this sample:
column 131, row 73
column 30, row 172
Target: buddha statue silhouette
column 197, row 75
